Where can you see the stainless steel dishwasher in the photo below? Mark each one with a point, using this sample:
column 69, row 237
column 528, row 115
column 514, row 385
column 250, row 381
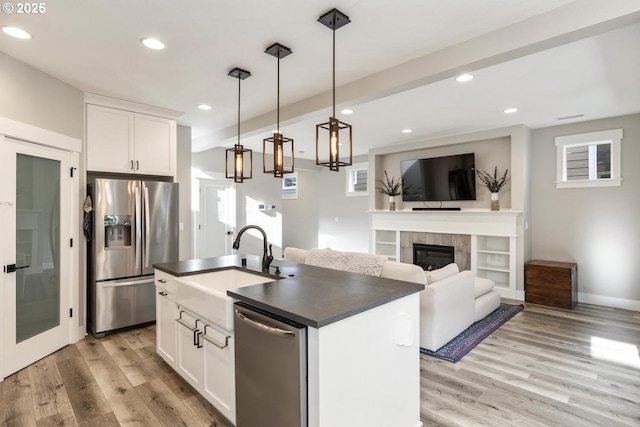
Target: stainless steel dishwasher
column 271, row 369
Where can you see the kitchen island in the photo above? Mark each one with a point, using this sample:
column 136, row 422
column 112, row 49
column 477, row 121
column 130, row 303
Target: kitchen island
column 362, row 336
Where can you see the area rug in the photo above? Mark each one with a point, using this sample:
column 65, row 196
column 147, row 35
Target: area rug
column 458, row 347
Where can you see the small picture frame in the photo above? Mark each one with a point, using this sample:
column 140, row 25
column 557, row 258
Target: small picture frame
column 290, row 186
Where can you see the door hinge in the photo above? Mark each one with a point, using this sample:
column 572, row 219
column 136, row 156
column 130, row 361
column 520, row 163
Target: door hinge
column 70, row 243
column 71, row 312
column 72, row 169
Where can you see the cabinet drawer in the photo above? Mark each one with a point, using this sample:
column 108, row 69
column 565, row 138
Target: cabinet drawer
column 549, row 277
column 165, row 281
column 553, row 300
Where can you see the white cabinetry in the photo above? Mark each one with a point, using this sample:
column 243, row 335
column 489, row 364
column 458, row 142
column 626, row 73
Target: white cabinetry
column 190, row 358
column 123, row 141
column 166, row 327
column 387, row 243
column 493, row 257
column 202, row 353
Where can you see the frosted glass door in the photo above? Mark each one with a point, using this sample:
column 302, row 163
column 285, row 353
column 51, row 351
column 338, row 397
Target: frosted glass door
column 37, row 246
column 38, row 212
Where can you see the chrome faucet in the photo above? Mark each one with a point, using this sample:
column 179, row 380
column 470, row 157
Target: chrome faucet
column 266, row 259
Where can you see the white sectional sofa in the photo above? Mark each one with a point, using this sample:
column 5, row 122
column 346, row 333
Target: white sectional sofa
column 451, row 302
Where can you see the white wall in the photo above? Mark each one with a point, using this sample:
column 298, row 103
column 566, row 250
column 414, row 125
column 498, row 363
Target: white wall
column 35, row 98
column 596, row 227
column 262, row 188
column 184, row 180
column 322, row 215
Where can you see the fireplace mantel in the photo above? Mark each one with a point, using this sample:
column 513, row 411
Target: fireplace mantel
column 480, row 222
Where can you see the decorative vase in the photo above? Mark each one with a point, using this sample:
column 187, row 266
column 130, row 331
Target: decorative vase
column 392, row 203
column 495, row 202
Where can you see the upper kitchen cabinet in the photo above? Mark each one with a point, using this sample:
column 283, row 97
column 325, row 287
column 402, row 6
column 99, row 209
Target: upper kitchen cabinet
column 124, row 141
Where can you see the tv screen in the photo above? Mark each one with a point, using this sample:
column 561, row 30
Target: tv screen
column 439, row 179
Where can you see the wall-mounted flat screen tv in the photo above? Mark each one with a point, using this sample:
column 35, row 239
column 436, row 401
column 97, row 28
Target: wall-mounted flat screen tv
column 439, row 179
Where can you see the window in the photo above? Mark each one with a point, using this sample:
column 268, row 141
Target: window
column 357, row 179
column 290, row 186
column 589, row 159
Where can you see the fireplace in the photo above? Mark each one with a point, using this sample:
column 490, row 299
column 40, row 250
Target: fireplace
column 432, row 257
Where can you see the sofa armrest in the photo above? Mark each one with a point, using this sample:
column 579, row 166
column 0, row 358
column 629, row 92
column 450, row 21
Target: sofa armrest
column 403, row 271
column 446, row 309
column 295, row 254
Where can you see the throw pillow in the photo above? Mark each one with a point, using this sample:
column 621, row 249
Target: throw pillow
column 441, row 273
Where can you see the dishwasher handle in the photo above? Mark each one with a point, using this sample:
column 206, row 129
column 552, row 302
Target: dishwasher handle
column 263, row 327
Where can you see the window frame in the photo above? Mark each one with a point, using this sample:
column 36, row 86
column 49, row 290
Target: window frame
column 348, row 182
column 612, row 136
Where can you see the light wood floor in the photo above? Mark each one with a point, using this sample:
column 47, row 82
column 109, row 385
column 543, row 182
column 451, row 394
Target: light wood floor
column 545, row 367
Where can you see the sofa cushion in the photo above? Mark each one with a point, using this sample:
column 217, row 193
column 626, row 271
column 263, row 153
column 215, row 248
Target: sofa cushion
column 482, row 286
column 441, row 273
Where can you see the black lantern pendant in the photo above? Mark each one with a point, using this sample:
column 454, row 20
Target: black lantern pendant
column 278, row 143
column 334, row 19
column 240, row 157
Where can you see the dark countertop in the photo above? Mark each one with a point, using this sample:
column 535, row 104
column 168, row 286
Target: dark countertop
column 313, row 296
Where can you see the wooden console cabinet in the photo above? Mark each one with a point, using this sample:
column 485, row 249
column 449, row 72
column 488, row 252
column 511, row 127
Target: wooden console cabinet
column 551, row 283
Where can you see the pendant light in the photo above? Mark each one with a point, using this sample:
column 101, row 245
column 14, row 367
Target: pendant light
column 239, row 155
column 333, row 19
column 277, row 142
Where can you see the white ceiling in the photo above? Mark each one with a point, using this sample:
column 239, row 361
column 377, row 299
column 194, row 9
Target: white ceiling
column 395, row 63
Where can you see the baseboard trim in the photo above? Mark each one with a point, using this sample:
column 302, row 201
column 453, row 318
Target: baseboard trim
column 623, row 303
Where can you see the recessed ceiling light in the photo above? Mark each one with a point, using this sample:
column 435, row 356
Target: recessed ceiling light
column 204, row 107
column 152, row 43
column 464, row 77
column 347, row 111
column 406, row 131
column 16, row 32
column 510, row 110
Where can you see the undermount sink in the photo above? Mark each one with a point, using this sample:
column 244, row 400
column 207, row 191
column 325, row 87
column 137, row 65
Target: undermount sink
column 206, row 294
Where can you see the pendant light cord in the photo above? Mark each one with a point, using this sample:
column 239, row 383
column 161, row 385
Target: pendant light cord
column 239, row 109
column 334, row 68
column 278, row 107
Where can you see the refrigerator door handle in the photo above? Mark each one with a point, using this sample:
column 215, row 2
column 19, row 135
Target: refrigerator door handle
column 147, row 239
column 138, row 227
column 120, row 283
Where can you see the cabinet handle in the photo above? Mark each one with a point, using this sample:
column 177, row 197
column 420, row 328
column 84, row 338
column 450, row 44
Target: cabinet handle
column 263, row 327
column 137, row 165
column 210, row 341
column 164, row 294
column 195, row 330
column 162, row 281
column 131, row 164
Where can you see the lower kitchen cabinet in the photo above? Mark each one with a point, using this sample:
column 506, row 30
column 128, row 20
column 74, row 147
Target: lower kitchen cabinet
column 190, row 357
column 166, row 326
column 200, row 352
column 219, row 372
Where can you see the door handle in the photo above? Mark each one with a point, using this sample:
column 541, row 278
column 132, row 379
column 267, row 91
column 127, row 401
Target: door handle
column 9, row 268
column 262, row 327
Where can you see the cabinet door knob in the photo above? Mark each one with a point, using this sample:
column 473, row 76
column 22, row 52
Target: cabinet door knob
column 131, row 164
column 137, row 165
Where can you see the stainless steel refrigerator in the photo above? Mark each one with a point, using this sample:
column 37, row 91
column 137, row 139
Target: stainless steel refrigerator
column 135, row 225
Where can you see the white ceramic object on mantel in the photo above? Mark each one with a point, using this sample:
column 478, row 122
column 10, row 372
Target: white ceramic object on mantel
column 495, row 201
column 392, row 203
